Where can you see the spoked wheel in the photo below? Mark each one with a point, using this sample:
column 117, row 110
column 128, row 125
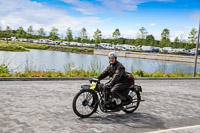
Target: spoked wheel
column 85, row 103
column 135, row 102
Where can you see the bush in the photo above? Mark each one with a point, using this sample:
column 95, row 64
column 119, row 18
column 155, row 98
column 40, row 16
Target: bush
column 180, row 73
column 198, row 74
column 140, row 73
column 4, row 69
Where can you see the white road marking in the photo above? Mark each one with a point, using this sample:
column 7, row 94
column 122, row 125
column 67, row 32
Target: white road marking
column 174, row 129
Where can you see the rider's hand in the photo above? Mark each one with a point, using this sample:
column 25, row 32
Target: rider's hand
column 108, row 85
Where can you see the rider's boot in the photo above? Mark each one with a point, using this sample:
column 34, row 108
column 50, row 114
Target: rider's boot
column 118, row 106
column 127, row 101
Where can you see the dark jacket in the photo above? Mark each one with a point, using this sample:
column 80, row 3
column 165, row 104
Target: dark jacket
column 116, row 71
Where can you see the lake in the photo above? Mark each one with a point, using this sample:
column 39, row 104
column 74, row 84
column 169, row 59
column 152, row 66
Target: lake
column 44, row 60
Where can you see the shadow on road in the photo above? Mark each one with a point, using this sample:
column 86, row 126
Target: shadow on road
column 134, row 120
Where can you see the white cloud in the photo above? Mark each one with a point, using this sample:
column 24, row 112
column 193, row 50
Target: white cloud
column 86, row 8
column 180, row 31
column 152, row 24
column 129, row 33
column 195, row 16
column 126, row 5
column 180, row 34
column 104, row 6
column 24, row 13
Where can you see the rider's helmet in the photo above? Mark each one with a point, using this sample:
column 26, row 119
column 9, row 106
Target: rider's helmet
column 112, row 55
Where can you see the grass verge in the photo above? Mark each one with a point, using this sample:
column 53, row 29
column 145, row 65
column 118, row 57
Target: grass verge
column 24, row 46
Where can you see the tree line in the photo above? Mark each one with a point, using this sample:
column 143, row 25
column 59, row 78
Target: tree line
column 143, row 38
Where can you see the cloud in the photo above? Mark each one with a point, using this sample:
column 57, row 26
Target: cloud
column 152, row 24
column 195, row 16
column 181, row 34
column 126, row 33
column 24, row 13
column 86, row 8
column 104, row 6
column 129, row 33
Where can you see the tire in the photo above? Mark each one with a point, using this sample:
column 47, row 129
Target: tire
column 87, row 102
column 135, row 102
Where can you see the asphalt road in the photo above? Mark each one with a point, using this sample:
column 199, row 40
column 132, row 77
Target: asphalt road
column 171, row 106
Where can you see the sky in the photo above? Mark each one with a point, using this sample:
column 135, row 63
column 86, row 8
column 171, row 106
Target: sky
column 179, row 16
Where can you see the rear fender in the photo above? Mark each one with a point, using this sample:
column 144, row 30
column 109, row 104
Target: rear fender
column 136, row 88
column 138, row 93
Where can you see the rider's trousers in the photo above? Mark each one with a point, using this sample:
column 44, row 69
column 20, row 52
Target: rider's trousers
column 120, row 90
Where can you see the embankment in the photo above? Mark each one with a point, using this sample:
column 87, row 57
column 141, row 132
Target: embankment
column 152, row 56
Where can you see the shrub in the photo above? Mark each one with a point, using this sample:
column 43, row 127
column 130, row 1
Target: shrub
column 4, row 69
column 140, row 73
column 198, row 74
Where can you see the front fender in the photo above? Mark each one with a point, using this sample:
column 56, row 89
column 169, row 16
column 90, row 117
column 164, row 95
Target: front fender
column 85, row 87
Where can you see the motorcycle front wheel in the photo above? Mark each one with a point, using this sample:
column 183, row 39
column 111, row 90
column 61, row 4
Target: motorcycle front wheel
column 85, row 103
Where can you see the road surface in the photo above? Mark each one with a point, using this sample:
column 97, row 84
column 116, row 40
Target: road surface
column 171, row 106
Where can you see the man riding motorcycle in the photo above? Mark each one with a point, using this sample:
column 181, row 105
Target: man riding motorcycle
column 119, row 82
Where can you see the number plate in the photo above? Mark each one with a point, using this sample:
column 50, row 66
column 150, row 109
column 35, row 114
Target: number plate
column 93, row 85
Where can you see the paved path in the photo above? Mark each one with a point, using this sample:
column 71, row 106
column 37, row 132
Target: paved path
column 171, row 106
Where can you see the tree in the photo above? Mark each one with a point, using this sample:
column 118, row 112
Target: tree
column 97, row 36
column 53, row 34
column 83, row 35
column 20, row 33
column 192, row 38
column 121, row 40
column 116, row 34
column 129, row 41
column 29, row 32
column 143, row 33
column 150, row 40
column 138, row 42
column 77, row 38
column 69, row 36
column 41, row 32
column 141, row 37
column 165, row 41
column 176, row 43
column 165, row 33
column 182, row 41
column 8, row 32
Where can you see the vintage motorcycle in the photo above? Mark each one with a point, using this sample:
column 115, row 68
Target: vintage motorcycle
column 87, row 100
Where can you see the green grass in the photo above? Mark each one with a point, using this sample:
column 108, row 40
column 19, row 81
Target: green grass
column 24, row 46
column 32, row 45
column 83, row 73
column 93, row 71
column 11, row 46
column 71, row 49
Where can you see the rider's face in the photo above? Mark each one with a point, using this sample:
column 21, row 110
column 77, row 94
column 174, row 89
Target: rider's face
column 111, row 60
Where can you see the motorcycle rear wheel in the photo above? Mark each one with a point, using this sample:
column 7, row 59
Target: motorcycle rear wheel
column 130, row 108
column 85, row 103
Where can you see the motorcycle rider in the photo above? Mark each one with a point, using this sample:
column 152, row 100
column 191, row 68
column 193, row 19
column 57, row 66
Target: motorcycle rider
column 119, row 82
